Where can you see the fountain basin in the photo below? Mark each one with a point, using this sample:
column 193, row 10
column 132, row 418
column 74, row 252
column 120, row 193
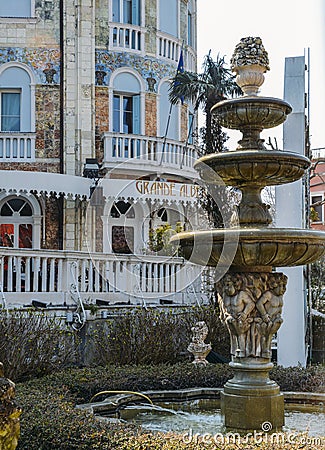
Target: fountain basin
column 260, row 112
column 199, row 409
column 253, row 167
column 254, row 249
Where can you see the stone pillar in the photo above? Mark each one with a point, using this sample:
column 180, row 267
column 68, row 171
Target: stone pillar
column 251, row 306
column 291, row 348
column 79, row 99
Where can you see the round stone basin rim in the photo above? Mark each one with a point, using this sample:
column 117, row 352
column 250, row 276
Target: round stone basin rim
column 252, row 248
column 260, row 107
column 240, row 167
column 111, row 404
column 252, row 100
column 251, row 234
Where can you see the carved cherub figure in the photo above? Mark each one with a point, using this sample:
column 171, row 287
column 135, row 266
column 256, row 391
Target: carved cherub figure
column 270, row 308
column 236, row 306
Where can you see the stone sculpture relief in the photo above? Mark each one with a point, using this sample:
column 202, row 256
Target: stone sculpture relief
column 251, row 306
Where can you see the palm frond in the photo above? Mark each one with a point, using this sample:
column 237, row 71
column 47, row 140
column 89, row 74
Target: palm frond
column 188, row 85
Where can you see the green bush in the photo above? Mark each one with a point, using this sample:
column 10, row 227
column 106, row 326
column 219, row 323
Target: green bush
column 154, row 336
column 309, row 379
column 34, row 343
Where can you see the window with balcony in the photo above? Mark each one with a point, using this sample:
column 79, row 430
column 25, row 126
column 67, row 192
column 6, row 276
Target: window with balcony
column 17, row 8
column 126, row 104
column 127, row 11
column 17, row 113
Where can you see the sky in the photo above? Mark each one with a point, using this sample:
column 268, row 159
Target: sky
column 287, row 28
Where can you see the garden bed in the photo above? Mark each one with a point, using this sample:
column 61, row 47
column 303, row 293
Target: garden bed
column 50, row 420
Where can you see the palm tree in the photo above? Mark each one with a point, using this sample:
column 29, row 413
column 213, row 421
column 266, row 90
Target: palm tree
column 204, row 90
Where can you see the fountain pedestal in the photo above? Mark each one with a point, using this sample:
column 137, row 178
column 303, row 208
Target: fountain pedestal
column 250, row 400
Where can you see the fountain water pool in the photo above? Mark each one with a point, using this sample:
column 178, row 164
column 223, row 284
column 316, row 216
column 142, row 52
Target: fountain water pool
column 204, row 416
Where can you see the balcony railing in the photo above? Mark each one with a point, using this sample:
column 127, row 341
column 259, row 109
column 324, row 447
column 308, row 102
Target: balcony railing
column 123, row 36
column 55, row 275
column 15, row 146
column 318, row 153
column 148, row 152
column 169, row 47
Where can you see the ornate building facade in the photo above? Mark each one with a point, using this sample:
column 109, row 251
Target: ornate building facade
column 85, row 110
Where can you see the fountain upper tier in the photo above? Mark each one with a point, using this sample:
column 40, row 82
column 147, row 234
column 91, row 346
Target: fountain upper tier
column 251, row 115
column 252, row 167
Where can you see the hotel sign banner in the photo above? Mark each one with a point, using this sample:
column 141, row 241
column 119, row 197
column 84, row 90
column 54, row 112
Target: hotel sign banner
column 145, row 190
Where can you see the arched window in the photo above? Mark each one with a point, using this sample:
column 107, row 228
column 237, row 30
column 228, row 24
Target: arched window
column 20, row 222
column 126, row 104
column 16, row 223
column 166, row 215
column 16, row 100
column 17, row 113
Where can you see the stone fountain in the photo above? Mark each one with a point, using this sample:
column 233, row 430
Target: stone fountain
column 251, row 293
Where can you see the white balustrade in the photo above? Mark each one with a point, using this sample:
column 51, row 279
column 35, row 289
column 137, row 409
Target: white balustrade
column 119, row 147
column 51, row 271
column 15, row 146
column 318, row 153
column 124, row 36
column 168, row 47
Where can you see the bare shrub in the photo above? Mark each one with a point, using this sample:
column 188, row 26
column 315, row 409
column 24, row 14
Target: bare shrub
column 34, row 344
column 153, row 336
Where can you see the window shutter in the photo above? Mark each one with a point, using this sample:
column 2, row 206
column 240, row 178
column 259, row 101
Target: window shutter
column 135, row 12
column 136, row 114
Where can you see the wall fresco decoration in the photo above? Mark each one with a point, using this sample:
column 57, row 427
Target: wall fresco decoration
column 108, row 61
column 45, row 62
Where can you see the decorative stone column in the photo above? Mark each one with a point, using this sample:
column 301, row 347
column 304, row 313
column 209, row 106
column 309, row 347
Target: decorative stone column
column 250, row 306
